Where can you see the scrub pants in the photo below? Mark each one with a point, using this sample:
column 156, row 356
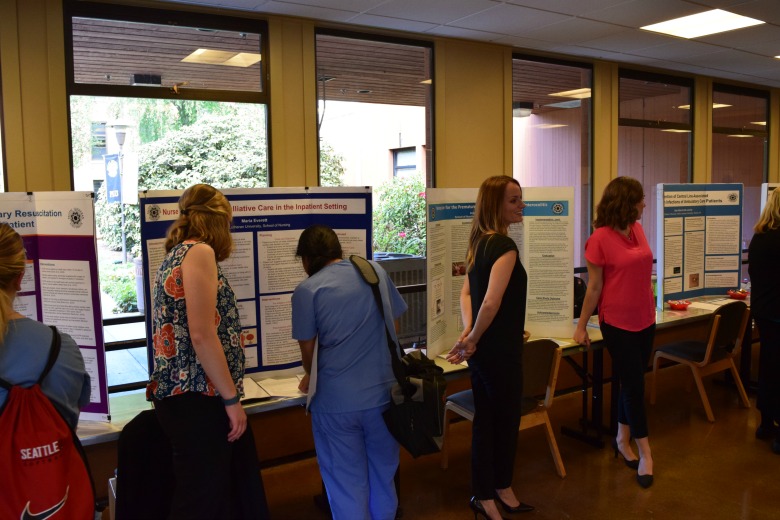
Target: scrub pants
column 358, row 459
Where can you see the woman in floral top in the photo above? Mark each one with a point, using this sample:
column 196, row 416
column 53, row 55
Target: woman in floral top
column 199, row 357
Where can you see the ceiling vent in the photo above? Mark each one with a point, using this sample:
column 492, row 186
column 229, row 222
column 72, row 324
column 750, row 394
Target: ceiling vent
column 146, row 80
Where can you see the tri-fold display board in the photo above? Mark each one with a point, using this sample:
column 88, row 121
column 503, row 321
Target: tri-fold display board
column 699, row 240
column 263, row 270
column 545, row 240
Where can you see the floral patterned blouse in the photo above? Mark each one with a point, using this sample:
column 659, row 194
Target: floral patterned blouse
column 176, row 367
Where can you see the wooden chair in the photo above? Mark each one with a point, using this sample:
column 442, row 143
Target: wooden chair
column 541, row 359
column 713, row 355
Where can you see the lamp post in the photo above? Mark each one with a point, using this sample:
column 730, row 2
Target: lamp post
column 120, row 133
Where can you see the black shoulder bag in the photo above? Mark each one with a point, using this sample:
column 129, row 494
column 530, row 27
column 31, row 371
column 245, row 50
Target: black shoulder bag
column 416, row 412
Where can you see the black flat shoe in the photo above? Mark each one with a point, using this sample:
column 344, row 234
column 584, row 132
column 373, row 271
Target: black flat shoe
column 479, row 510
column 644, row 480
column 520, row 508
column 633, row 464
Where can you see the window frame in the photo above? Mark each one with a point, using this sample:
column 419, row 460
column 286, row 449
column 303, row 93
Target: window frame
column 429, row 156
column 81, row 9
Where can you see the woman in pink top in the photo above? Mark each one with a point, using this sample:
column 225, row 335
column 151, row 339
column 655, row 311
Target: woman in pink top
column 620, row 264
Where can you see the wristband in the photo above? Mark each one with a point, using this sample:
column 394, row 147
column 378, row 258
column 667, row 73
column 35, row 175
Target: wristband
column 233, row 400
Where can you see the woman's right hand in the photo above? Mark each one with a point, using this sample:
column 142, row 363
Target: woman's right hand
column 581, row 336
column 303, row 386
column 237, row 418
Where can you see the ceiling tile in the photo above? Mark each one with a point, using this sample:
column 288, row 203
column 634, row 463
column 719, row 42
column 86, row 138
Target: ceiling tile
column 508, row 19
column 741, row 37
column 572, row 30
column 526, row 43
column 307, row 11
column 638, row 13
column 678, row 50
column 387, row 22
column 766, row 10
column 736, row 61
column 566, row 6
column 356, row 6
column 466, row 34
column 590, row 53
column 433, row 11
column 627, row 40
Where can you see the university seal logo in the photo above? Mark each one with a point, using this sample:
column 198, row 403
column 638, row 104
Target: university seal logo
column 76, row 217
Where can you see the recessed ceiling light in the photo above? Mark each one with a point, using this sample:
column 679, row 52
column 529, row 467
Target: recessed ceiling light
column 702, row 24
column 676, row 131
column 548, row 125
column 761, row 123
column 740, row 135
column 229, row 58
column 714, row 105
column 574, row 103
column 427, row 82
column 580, row 93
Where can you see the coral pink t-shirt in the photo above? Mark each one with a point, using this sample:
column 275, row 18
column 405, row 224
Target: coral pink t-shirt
column 626, row 300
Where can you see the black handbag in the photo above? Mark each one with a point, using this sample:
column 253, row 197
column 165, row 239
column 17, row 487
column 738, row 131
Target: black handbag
column 416, row 414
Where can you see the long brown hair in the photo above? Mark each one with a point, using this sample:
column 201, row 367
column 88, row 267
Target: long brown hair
column 617, row 208
column 12, row 262
column 204, row 214
column 488, row 214
column 770, row 216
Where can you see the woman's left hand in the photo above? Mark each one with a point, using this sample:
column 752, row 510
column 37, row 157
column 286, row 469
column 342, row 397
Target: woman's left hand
column 462, row 351
column 303, row 386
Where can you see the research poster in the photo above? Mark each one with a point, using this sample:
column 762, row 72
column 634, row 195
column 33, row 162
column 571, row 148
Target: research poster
column 699, row 249
column 545, row 240
column 262, row 269
column 60, row 285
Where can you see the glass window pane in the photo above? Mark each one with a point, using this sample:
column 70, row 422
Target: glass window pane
column 652, row 156
column 168, row 144
column 551, row 123
column 654, row 136
column 654, row 101
column 739, row 147
column 115, row 52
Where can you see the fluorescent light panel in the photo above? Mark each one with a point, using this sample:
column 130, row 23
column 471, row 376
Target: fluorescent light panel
column 761, row 123
column 714, row 105
column 229, row 58
column 580, row 93
column 676, row 131
column 703, row 24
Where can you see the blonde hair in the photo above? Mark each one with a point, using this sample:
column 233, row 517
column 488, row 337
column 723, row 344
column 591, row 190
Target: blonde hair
column 204, row 214
column 12, row 261
column 770, row 217
column 488, row 215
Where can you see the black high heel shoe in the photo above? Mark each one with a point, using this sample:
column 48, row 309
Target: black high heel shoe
column 644, row 480
column 520, row 508
column 479, row 509
column 633, row 464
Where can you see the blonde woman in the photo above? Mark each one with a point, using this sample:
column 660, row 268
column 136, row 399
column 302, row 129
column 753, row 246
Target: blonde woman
column 199, row 358
column 24, row 343
column 492, row 306
column 763, row 259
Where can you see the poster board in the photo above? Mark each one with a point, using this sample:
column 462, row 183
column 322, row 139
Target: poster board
column 262, row 269
column 60, row 286
column 766, row 189
column 545, row 240
column 699, row 240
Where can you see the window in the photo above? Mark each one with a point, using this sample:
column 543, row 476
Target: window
column 551, row 122
column 404, row 162
column 654, row 135
column 176, row 98
column 739, row 146
column 2, row 143
column 374, row 126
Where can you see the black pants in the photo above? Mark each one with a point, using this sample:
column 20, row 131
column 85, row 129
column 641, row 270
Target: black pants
column 497, row 384
column 215, row 479
column 630, row 353
column 768, row 400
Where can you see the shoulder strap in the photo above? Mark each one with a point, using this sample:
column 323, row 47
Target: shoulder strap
column 368, row 273
column 54, row 351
